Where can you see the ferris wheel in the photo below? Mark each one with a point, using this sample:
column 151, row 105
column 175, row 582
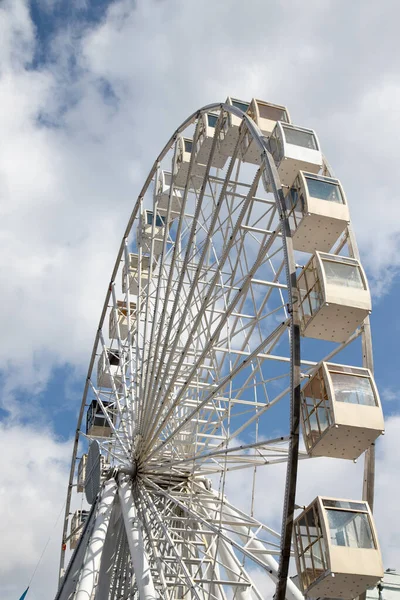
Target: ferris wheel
column 236, row 290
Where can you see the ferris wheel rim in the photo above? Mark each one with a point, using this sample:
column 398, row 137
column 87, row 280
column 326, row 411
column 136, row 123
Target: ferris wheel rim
column 257, row 136
column 268, row 167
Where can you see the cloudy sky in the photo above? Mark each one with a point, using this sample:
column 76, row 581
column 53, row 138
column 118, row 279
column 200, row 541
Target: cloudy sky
column 90, row 90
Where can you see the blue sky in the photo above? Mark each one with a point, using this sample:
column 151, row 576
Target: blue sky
column 51, row 17
column 89, row 94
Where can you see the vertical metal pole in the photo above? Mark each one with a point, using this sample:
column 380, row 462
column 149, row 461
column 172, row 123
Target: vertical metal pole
column 133, row 527
column 91, row 562
column 295, row 375
column 368, row 362
column 369, row 458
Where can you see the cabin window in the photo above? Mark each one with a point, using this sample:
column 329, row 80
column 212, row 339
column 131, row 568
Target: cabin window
column 343, row 274
column 310, row 291
column 95, row 416
column 350, row 529
column 188, row 145
column 123, row 311
column 292, row 200
column 160, row 220
column 324, row 190
column 113, row 357
column 299, row 137
column 273, row 113
column 96, row 409
column 346, row 504
column 353, row 389
column 241, row 105
column 167, row 178
column 212, row 120
column 316, row 410
column 275, row 145
column 99, row 420
column 311, row 546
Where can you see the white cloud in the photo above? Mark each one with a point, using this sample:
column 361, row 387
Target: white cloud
column 17, row 34
column 33, row 486
column 60, row 226
column 390, row 394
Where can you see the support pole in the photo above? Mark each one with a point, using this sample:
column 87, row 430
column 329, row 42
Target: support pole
column 91, row 562
column 368, row 362
column 133, row 527
column 109, row 557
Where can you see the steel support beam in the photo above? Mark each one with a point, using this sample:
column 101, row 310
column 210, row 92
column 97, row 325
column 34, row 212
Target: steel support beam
column 133, row 527
column 91, row 562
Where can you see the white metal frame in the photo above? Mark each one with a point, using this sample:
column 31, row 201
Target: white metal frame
column 216, row 349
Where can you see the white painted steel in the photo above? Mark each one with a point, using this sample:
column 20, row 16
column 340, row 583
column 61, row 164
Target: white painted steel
column 292, row 591
column 234, row 570
column 206, row 375
column 133, row 528
column 243, row 528
column 91, row 562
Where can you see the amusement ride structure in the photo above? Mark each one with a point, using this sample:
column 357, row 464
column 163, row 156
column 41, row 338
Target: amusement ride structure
column 220, row 361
